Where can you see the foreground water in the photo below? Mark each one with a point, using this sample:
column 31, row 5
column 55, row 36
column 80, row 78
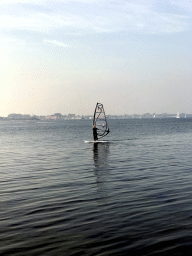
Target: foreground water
column 61, row 196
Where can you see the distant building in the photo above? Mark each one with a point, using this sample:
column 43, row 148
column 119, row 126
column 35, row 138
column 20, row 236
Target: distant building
column 136, row 116
column 51, row 118
column 71, row 116
column 64, row 117
column 147, row 115
column 58, row 115
column 19, row 117
column 15, row 116
column 34, row 117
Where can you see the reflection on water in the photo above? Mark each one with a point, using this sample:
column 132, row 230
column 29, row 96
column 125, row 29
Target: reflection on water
column 100, row 154
column 101, row 170
column 129, row 197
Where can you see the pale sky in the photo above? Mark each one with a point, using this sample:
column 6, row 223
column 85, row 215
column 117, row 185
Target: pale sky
column 64, row 56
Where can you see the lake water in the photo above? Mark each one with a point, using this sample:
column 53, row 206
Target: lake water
column 61, row 196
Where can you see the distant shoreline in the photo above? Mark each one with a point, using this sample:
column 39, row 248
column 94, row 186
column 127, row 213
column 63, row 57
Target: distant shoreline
column 90, row 118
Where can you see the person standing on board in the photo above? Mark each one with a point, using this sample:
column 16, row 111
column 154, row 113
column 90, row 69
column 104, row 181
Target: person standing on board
column 95, row 133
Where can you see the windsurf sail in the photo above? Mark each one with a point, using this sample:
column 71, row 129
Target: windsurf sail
column 100, row 121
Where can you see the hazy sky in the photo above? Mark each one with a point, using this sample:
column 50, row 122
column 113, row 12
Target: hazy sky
column 134, row 56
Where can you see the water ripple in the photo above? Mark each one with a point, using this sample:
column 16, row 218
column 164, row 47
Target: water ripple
column 60, row 196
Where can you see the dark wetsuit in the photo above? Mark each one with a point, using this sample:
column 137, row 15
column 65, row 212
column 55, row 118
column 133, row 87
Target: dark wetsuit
column 95, row 133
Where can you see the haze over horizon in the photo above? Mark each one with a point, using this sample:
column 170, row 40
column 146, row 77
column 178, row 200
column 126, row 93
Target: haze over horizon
column 65, row 56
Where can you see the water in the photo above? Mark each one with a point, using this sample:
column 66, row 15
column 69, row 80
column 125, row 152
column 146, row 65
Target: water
column 61, row 196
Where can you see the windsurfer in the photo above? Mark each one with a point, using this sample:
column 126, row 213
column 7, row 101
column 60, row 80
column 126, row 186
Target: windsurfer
column 95, row 133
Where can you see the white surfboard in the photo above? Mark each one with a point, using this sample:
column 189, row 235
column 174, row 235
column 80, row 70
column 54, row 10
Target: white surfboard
column 98, row 141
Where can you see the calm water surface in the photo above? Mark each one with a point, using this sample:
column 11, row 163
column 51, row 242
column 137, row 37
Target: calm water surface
column 61, row 196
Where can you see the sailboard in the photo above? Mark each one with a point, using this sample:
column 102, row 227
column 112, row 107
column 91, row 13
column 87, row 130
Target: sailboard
column 98, row 141
column 100, row 121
